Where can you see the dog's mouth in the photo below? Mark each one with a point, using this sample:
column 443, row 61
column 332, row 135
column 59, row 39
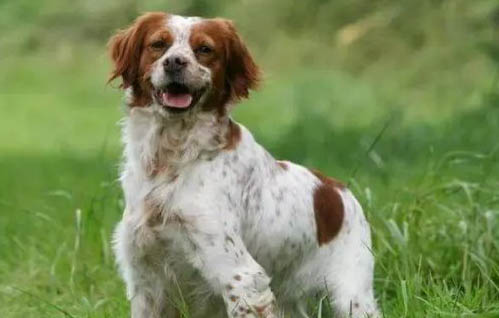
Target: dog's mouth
column 177, row 97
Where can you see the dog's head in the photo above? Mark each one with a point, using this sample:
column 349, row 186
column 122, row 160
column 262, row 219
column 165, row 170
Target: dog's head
column 179, row 64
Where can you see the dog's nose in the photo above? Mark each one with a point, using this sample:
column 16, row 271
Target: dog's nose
column 175, row 63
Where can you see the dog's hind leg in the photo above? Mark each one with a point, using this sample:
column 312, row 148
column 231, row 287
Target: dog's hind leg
column 350, row 276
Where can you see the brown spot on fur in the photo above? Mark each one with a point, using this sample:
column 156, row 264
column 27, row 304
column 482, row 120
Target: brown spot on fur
column 329, row 180
column 328, row 207
column 238, row 277
column 155, row 169
column 260, row 309
column 233, row 136
column 283, row 164
column 152, row 212
column 233, row 298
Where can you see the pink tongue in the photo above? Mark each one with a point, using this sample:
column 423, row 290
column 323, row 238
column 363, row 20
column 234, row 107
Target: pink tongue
column 176, row 100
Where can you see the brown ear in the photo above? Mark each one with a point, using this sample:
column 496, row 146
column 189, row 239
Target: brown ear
column 125, row 49
column 242, row 72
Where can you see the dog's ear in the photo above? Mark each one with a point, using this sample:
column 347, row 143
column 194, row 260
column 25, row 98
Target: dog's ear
column 125, row 49
column 242, row 72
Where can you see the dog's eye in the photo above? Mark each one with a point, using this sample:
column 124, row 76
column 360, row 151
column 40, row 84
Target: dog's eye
column 158, row 45
column 204, row 49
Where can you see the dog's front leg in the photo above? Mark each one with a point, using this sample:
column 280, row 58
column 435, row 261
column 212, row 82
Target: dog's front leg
column 146, row 287
column 223, row 260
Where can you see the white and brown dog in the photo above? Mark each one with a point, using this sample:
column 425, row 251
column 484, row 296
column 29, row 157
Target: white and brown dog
column 213, row 222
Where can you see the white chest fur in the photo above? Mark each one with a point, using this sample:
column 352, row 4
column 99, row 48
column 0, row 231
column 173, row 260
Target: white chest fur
column 222, row 222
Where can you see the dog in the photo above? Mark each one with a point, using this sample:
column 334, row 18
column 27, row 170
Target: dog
column 212, row 222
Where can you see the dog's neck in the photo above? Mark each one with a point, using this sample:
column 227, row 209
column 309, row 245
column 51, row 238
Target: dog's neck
column 156, row 144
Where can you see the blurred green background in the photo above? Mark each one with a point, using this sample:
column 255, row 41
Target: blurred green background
column 397, row 97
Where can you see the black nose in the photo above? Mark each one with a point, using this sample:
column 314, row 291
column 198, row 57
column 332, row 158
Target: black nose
column 175, row 63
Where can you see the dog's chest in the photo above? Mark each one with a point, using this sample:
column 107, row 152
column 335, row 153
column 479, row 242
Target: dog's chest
column 157, row 242
column 165, row 209
column 159, row 229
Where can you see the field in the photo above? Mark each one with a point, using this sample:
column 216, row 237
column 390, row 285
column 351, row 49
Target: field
column 412, row 128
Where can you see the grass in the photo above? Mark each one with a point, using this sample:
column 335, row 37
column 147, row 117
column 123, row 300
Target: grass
column 429, row 186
